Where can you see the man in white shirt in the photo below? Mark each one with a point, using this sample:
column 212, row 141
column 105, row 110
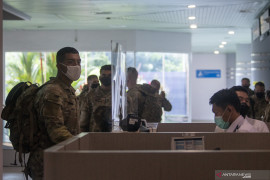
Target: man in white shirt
column 242, row 94
column 226, row 107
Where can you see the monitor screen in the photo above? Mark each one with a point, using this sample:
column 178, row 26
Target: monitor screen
column 256, row 29
column 187, row 143
column 264, row 26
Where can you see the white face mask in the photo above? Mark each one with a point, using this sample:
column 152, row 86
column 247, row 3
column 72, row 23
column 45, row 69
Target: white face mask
column 73, row 72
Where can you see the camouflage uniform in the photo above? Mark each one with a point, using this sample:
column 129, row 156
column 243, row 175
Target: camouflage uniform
column 137, row 101
column 266, row 117
column 57, row 112
column 163, row 102
column 82, row 96
column 86, row 111
column 96, row 112
column 259, row 107
column 250, row 92
column 251, row 111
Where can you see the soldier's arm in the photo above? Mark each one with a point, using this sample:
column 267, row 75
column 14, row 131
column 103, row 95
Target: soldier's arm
column 53, row 117
column 165, row 102
column 91, row 119
column 166, row 105
column 85, row 115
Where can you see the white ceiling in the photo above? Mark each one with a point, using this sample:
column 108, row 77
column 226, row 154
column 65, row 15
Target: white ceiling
column 214, row 18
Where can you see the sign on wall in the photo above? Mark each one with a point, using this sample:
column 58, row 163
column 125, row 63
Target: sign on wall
column 202, row 73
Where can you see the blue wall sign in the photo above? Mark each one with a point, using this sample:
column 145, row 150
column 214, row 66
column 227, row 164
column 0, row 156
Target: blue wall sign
column 201, row 73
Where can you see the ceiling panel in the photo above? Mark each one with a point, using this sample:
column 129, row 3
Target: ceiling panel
column 213, row 17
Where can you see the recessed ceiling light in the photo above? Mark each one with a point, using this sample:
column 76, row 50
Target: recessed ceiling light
column 103, row 12
column 221, row 46
column 191, row 17
column 118, row 26
column 193, row 26
column 191, row 6
column 231, row 32
column 216, row 52
column 223, row 42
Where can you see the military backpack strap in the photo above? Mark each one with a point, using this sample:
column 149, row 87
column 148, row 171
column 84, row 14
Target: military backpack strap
column 20, row 149
column 15, row 160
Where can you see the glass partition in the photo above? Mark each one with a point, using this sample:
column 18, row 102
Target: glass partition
column 118, row 85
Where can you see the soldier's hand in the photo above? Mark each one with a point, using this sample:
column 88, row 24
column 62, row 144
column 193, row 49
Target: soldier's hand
column 162, row 94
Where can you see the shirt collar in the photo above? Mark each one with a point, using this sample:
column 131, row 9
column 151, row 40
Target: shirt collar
column 238, row 122
column 63, row 85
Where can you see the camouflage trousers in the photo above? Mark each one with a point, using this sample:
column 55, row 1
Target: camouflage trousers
column 35, row 164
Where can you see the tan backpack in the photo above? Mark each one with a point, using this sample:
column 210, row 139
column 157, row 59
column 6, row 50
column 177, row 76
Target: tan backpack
column 21, row 117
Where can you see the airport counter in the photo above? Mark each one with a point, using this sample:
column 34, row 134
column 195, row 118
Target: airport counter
column 148, row 156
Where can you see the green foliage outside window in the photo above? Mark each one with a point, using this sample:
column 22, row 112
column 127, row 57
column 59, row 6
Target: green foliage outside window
column 30, row 66
column 153, row 62
column 39, row 67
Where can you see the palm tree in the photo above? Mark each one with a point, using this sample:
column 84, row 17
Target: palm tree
column 51, row 69
column 25, row 68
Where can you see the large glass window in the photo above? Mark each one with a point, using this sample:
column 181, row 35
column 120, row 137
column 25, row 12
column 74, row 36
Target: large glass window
column 170, row 70
column 91, row 64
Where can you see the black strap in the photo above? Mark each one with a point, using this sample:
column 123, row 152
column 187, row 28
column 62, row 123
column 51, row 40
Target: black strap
column 15, row 160
column 237, row 127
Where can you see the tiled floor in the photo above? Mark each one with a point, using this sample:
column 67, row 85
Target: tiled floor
column 13, row 173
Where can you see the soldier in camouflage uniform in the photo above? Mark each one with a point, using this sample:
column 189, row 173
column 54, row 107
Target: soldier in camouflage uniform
column 266, row 117
column 57, row 108
column 163, row 102
column 246, row 84
column 259, row 99
column 138, row 97
column 82, row 95
column 92, row 84
column 135, row 99
column 97, row 109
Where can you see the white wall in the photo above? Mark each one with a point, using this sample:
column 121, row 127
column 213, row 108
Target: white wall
column 231, row 69
column 96, row 40
column 203, row 88
column 243, row 62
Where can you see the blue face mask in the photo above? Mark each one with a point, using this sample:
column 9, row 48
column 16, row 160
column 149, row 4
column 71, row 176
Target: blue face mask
column 221, row 123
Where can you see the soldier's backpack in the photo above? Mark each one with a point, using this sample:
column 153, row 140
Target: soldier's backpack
column 152, row 111
column 21, row 117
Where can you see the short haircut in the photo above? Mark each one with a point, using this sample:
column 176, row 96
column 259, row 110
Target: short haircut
column 106, row 67
column 156, row 82
column 133, row 72
column 225, row 97
column 245, row 79
column 259, row 84
column 239, row 88
column 89, row 78
column 268, row 94
column 60, row 56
